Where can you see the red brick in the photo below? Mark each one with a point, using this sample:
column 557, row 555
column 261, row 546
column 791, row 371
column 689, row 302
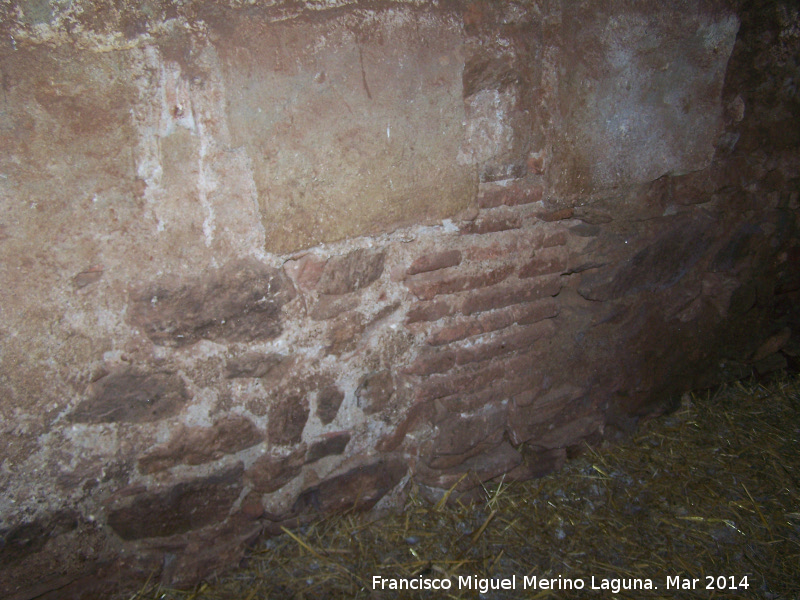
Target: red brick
column 544, row 263
column 429, row 311
column 465, row 327
column 435, row 261
column 462, row 381
column 493, row 251
column 457, row 435
column 557, row 215
column 538, row 311
column 512, row 195
column 428, row 285
column 492, row 224
column 499, row 297
column 547, row 420
column 508, row 341
column 521, row 379
column 421, row 411
column 429, row 362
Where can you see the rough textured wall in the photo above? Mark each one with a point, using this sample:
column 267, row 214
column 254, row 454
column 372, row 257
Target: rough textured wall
column 260, row 263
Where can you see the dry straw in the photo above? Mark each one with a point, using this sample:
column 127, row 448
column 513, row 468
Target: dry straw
column 710, row 490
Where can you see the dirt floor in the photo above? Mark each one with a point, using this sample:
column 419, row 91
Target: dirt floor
column 701, row 503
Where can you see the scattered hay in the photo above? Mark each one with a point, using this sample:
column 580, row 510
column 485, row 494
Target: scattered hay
column 712, row 490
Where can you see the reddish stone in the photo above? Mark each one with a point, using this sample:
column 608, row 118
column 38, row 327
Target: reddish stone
column 252, row 508
column 287, row 419
column 557, row 215
column 128, row 395
column 240, row 302
column 556, row 420
column 492, row 223
column 197, row 445
column 538, row 462
column 345, row 333
column 431, row 361
column 328, row 307
column 375, row 391
column 456, row 434
column 252, row 364
column 351, row 272
column 555, row 238
column 306, row 270
column 499, row 297
column 420, row 411
column 428, row 285
column 461, row 381
column 772, row 344
column 270, row 473
column 435, row 261
column 177, row 509
column 329, row 445
column 545, row 262
column 512, row 195
column 524, row 314
column 358, row 489
column 507, row 249
column 428, row 311
column 520, row 379
column 508, row 341
column 538, row 311
column 329, row 400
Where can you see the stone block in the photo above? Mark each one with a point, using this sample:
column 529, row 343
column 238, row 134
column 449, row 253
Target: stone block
column 329, row 399
column 358, row 489
column 524, row 314
column 131, row 395
column 375, row 391
column 430, row 361
column 345, row 333
column 175, row 509
column 197, row 445
column 287, row 419
column 545, row 262
column 435, row 261
column 514, row 194
column 271, row 472
column 493, row 222
column 252, row 364
column 516, row 338
column 240, row 302
column 361, row 134
column 508, row 295
column 329, row 307
column 429, row 285
column 330, row 444
column 429, row 311
column 656, row 74
column 351, row 272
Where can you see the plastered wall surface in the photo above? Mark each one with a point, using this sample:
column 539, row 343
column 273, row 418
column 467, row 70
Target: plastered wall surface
column 261, row 262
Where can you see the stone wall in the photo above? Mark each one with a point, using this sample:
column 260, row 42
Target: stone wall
column 266, row 262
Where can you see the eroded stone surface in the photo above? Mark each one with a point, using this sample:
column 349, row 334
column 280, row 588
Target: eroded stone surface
column 132, row 396
column 178, row 509
column 239, row 303
column 197, row 445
